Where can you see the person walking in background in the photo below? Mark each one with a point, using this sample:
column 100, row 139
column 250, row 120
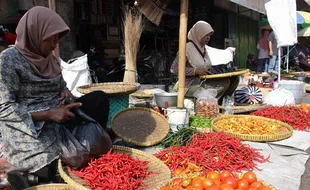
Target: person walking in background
column 273, row 53
column 263, row 51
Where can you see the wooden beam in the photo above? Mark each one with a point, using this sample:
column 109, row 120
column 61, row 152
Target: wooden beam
column 182, row 51
column 52, row 5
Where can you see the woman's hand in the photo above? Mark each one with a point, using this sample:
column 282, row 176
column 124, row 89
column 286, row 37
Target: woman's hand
column 63, row 113
column 64, row 94
column 202, row 72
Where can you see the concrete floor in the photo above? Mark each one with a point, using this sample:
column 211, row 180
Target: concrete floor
column 305, row 179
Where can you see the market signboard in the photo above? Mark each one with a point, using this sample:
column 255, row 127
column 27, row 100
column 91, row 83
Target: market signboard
column 256, row 5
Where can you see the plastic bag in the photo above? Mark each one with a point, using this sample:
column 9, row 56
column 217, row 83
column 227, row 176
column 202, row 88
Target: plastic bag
column 228, row 102
column 88, row 140
column 72, row 152
column 206, row 103
column 76, row 73
column 279, row 97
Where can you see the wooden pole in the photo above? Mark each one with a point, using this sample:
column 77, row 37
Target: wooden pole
column 182, row 51
column 52, row 5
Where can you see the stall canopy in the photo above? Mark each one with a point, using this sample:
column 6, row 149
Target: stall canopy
column 256, row 5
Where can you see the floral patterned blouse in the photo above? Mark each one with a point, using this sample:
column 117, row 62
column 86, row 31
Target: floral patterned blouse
column 28, row 145
column 191, row 78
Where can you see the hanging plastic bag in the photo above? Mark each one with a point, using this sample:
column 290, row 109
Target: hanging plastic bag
column 72, row 152
column 76, row 73
column 88, row 140
column 206, row 103
column 280, row 97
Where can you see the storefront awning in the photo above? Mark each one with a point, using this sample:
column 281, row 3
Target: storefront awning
column 256, row 5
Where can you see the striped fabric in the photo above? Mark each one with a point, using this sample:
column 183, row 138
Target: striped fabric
column 153, row 10
column 248, row 95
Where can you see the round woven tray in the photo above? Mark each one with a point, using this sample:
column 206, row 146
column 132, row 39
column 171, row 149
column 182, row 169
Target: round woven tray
column 245, row 109
column 286, row 132
column 56, row 186
column 111, row 88
column 162, row 172
column 140, row 126
column 141, row 94
column 222, row 75
column 304, row 72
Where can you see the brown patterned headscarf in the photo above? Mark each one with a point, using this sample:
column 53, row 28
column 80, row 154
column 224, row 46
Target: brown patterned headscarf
column 37, row 25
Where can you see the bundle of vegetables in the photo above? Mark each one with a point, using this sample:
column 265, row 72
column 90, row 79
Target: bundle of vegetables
column 192, row 179
column 294, row 116
column 181, row 137
column 248, row 125
column 212, row 151
column 114, row 171
column 200, row 122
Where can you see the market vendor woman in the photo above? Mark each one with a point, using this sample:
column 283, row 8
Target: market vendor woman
column 198, row 63
column 32, row 90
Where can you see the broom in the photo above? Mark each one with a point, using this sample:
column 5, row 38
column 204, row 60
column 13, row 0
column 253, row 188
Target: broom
column 133, row 27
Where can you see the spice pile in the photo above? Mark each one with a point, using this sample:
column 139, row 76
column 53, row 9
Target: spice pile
column 194, row 178
column 213, row 151
column 115, row 171
column 294, row 116
column 248, row 125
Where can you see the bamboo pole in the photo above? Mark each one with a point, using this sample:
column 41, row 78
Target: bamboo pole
column 52, row 5
column 182, row 51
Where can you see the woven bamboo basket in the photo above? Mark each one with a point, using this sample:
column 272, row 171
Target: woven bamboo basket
column 56, row 186
column 223, row 75
column 246, row 108
column 140, row 126
column 286, row 131
column 141, row 94
column 304, row 72
column 110, row 88
column 162, row 172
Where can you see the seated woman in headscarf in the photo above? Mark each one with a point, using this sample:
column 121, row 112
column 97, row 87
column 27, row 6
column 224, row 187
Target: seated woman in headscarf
column 32, row 91
column 199, row 63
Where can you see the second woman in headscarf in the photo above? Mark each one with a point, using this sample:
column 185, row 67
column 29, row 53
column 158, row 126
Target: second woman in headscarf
column 198, row 63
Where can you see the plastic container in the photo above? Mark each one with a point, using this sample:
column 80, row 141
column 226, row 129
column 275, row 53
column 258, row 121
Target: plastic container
column 177, row 118
column 296, row 87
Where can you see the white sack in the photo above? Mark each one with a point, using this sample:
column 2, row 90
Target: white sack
column 220, row 56
column 282, row 19
column 279, row 97
column 76, row 74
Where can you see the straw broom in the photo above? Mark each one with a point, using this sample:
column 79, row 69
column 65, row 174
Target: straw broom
column 133, row 27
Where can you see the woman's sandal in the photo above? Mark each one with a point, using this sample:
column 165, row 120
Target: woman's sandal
column 20, row 180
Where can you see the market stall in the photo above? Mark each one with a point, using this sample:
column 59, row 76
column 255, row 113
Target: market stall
column 197, row 145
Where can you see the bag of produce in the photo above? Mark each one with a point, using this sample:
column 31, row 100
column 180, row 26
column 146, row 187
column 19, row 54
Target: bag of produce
column 206, row 103
column 85, row 141
column 280, row 97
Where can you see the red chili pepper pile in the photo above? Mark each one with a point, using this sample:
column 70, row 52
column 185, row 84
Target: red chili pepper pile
column 293, row 116
column 213, row 151
column 115, row 171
